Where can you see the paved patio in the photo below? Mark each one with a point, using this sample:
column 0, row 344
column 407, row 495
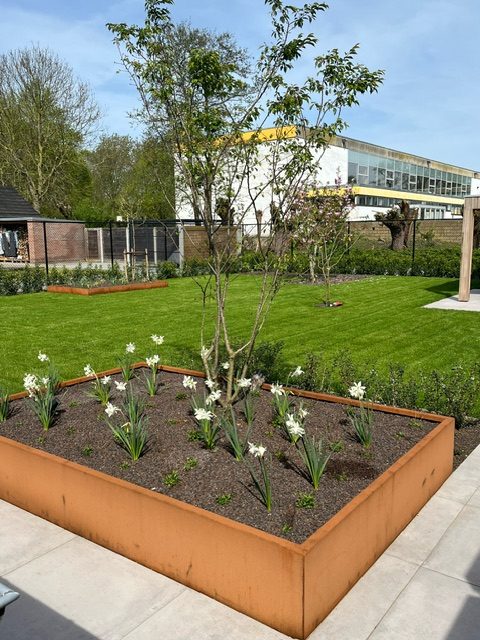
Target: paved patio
column 426, row 585
column 452, row 303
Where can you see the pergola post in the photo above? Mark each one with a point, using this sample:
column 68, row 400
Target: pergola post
column 471, row 203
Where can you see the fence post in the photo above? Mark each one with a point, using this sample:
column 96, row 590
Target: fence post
column 414, row 241
column 111, row 242
column 155, row 248
column 45, row 246
column 165, row 244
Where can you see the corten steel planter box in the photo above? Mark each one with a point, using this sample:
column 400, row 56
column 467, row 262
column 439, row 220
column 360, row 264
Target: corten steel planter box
column 116, row 288
column 288, row 586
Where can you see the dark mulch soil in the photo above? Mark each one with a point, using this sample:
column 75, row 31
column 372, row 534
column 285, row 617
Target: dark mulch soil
column 337, row 279
column 82, row 435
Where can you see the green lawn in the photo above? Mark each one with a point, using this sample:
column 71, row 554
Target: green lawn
column 382, row 321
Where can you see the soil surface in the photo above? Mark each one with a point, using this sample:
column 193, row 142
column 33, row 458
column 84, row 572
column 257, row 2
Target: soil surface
column 337, row 279
column 214, row 480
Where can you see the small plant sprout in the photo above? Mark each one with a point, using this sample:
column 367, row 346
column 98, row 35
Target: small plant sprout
column 230, row 428
column 126, row 361
column 101, row 387
column 224, row 499
column 361, row 419
column 4, row 405
column 315, row 457
column 171, row 479
column 262, row 482
column 190, row 463
column 207, row 427
column 41, row 391
column 151, row 377
column 305, row 501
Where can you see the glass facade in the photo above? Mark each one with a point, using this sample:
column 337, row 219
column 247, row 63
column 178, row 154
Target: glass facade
column 369, row 170
column 434, row 209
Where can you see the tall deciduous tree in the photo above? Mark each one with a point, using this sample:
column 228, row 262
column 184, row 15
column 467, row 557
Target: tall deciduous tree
column 205, row 106
column 46, row 114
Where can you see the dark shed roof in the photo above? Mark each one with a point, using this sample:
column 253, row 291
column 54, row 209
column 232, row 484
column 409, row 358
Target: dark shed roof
column 13, row 206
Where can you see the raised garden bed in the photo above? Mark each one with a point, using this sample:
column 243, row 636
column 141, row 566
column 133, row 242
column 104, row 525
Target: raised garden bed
column 287, row 569
column 114, row 288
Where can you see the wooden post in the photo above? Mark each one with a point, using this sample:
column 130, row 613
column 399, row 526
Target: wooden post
column 471, row 203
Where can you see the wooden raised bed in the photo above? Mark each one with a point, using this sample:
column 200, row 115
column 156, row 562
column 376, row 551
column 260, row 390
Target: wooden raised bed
column 290, row 587
column 117, row 288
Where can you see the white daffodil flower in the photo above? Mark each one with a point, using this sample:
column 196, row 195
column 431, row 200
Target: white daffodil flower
column 213, row 397
column 226, row 366
column 130, row 348
column 277, row 390
column 111, row 409
column 120, row 386
column 203, row 414
column 296, row 372
column 151, row 362
column 357, row 390
column 157, row 339
column 189, row 383
column 43, row 357
column 105, row 380
column 256, row 450
column 88, row 371
column 210, row 383
column 244, row 383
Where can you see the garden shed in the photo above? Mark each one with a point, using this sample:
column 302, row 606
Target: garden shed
column 24, row 233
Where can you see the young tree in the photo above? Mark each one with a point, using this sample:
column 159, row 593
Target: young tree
column 45, row 116
column 398, row 221
column 321, row 228
column 204, row 108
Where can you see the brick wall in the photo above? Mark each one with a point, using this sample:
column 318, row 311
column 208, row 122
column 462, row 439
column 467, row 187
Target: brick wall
column 65, row 242
column 373, row 234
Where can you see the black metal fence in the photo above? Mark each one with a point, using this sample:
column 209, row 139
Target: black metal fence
column 103, row 243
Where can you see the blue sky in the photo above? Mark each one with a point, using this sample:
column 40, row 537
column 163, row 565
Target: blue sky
column 428, row 105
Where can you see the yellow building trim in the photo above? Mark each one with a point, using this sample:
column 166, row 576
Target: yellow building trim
column 273, row 133
column 405, row 195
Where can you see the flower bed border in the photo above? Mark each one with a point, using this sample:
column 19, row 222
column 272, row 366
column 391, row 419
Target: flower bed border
column 290, row 587
column 116, row 288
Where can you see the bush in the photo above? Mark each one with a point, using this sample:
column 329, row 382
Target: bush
column 454, row 393
column 442, row 262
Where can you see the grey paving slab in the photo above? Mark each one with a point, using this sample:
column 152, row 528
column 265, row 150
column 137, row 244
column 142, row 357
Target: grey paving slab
column 357, row 615
column 458, row 552
column 432, row 606
column 194, row 616
column 475, row 499
column 24, row 537
column 464, row 482
column 97, row 591
column 420, row 537
column 452, row 303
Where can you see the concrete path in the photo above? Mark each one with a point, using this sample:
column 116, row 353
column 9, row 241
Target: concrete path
column 426, row 585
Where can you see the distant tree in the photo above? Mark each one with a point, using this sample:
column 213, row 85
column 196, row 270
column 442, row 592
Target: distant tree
column 46, row 115
column 398, row 221
column 131, row 178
